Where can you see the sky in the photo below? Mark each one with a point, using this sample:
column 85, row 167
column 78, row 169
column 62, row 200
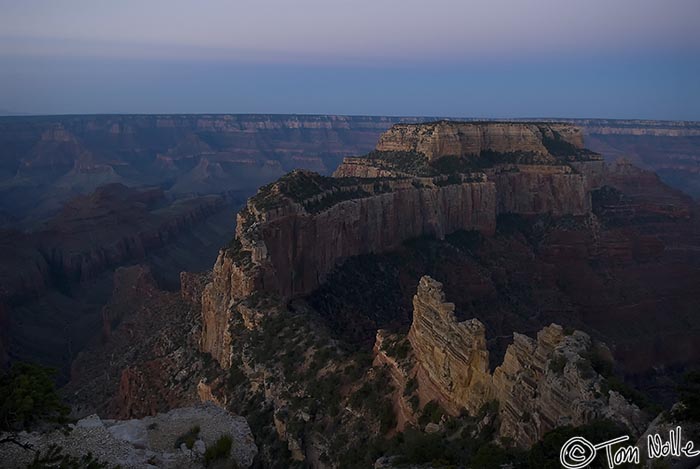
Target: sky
column 457, row 58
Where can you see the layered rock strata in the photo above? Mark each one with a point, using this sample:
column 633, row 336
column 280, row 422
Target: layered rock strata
column 472, row 139
column 531, row 190
column 452, row 355
column 542, row 384
column 549, row 382
column 290, row 248
column 294, row 232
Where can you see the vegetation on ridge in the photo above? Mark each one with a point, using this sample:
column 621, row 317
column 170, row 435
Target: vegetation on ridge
column 28, row 397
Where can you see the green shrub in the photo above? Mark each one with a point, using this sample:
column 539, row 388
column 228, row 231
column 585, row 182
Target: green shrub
column 411, row 386
column 414, row 401
column 219, row 450
column 399, row 348
column 432, row 412
column 557, row 364
column 638, row 398
column 492, row 456
column 545, row 453
column 600, row 361
column 28, row 396
column 387, row 418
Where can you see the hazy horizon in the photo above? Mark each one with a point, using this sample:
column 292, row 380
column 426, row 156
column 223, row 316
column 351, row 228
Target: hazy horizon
column 505, row 58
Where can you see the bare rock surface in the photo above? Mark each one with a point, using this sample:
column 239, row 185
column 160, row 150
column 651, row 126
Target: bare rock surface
column 542, row 384
column 142, row 443
column 451, row 354
column 445, row 138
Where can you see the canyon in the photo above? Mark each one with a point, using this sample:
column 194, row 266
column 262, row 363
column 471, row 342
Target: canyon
column 55, row 279
column 46, row 160
column 558, row 224
column 326, row 308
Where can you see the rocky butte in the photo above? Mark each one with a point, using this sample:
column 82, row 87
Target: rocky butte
column 423, row 180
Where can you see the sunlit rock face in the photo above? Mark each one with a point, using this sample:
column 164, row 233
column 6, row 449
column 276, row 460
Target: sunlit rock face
column 542, row 384
column 549, row 382
column 451, row 354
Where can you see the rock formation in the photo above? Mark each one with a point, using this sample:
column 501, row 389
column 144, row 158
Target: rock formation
column 531, row 190
column 146, row 360
column 541, row 384
column 550, row 382
column 451, row 355
column 333, row 224
column 475, row 139
column 294, row 232
column 144, row 443
column 86, row 151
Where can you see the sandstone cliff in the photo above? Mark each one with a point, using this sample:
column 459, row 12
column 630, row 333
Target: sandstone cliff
column 451, row 355
column 550, row 382
column 541, row 384
column 531, row 190
column 294, row 232
column 472, row 139
column 286, row 245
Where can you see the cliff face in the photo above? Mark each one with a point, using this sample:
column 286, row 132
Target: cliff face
column 230, row 284
column 531, row 190
column 146, row 360
column 116, row 224
column 452, row 355
column 289, row 250
column 472, row 139
column 294, row 232
column 541, row 384
column 370, row 224
column 549, row 382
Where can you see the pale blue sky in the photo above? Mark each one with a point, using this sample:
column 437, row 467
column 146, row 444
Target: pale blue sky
column 509, row 58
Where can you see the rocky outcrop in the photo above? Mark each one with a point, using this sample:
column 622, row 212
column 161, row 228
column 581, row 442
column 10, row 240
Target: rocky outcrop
column 451, row 355
column 542, row 383
column 147, row 361
column 192, row 285
column 550, row 382
column 665, row 427
column 229, row 283
column 472, row 139
column 144, row 443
